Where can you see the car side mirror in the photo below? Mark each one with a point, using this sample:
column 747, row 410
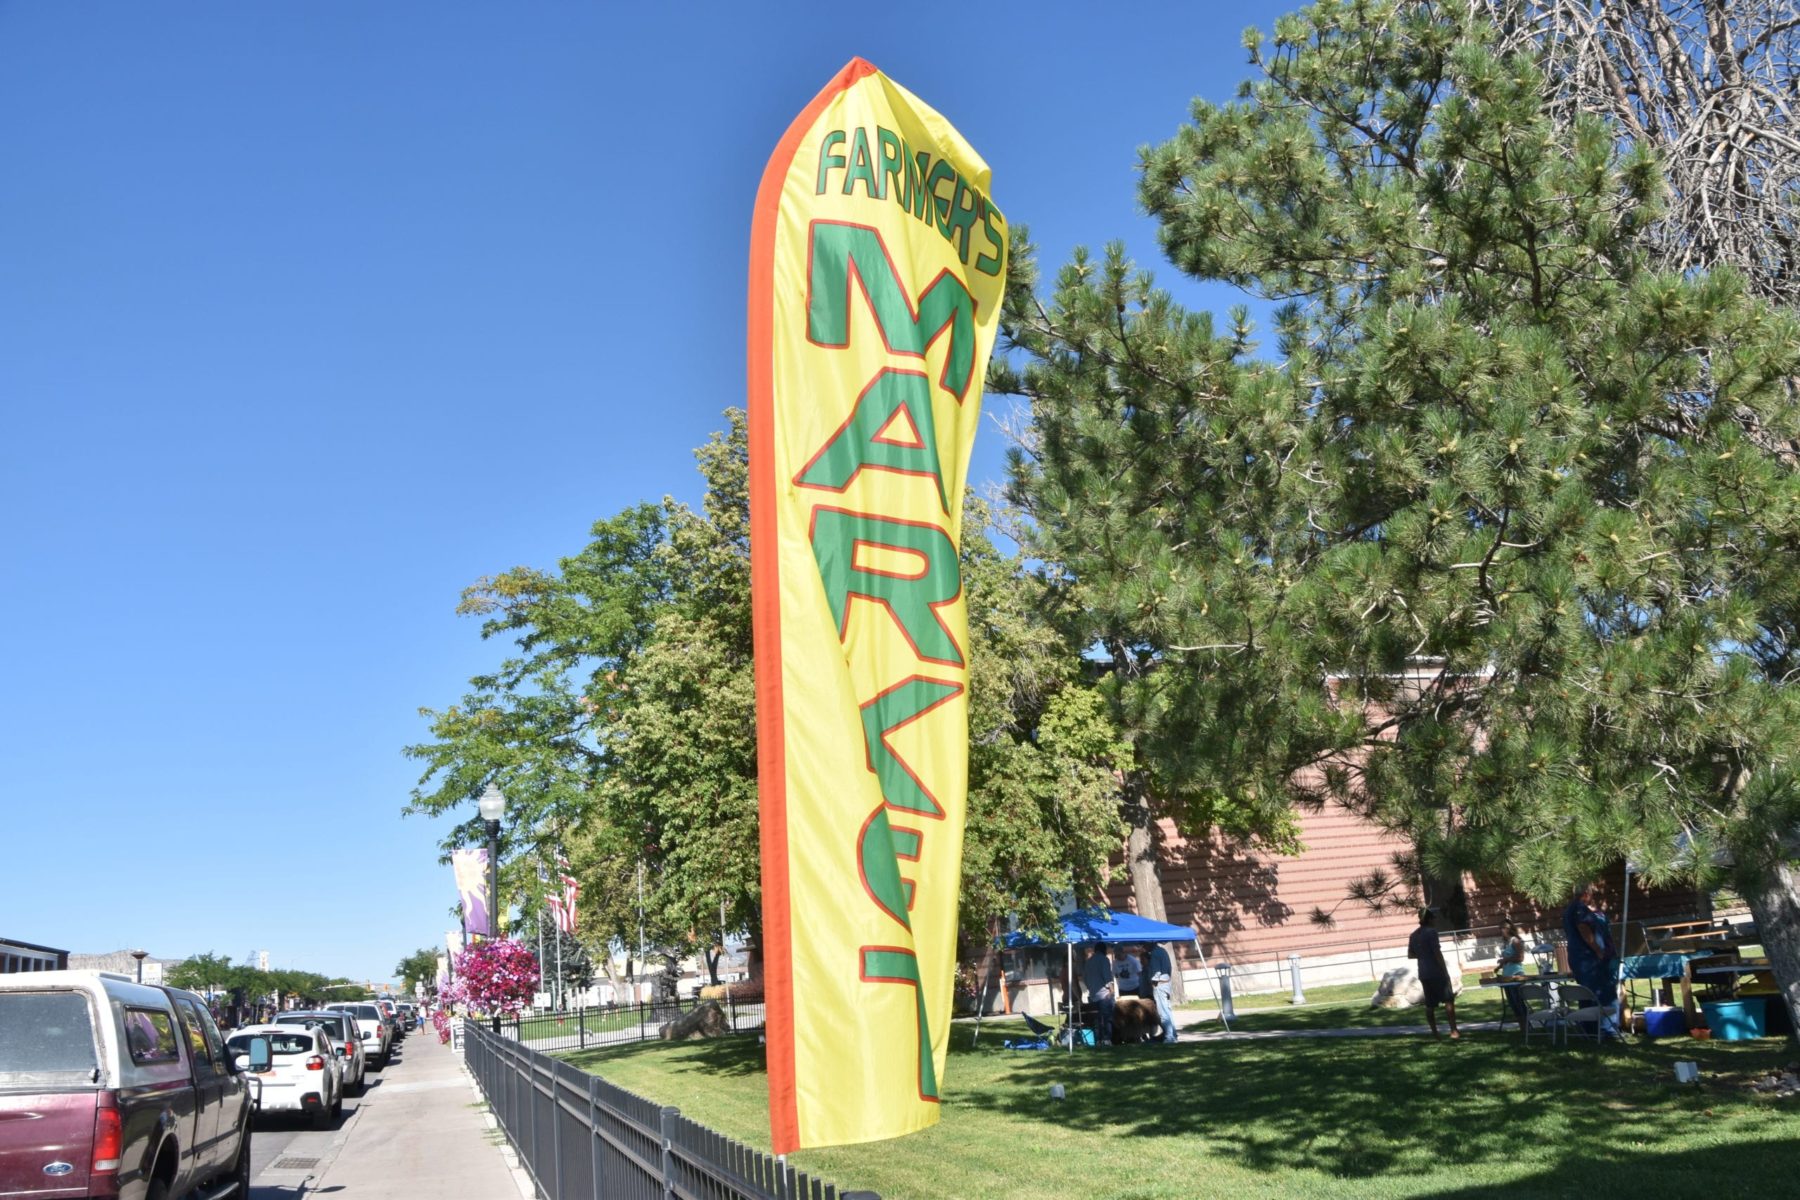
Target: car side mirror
column 259, row 1055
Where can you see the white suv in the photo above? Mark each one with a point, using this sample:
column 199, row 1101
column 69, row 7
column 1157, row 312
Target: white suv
column 303, row 1075
column 377, row 1033
column 344, row 1035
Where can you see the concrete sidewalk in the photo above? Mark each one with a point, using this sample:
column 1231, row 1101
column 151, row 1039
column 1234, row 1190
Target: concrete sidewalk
column 423, row 1133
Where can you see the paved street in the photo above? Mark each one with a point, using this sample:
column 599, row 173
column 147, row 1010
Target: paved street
column 415, row 1131
column 289, row 1136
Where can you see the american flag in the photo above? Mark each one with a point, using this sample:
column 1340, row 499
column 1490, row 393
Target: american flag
column 563, row 906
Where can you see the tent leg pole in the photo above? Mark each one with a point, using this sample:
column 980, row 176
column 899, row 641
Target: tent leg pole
column 980, row 1003
column 1069, row 997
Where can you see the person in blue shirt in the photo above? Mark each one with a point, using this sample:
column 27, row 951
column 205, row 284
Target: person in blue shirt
column 1592, row 958
column 1511, row 964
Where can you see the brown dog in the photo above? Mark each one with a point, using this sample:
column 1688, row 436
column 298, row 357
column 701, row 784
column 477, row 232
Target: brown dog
column 1135, row 1020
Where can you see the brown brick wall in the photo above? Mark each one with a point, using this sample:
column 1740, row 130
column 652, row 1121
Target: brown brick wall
column 1254, row 906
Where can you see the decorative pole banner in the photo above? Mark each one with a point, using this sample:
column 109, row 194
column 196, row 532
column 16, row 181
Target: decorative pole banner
column 876, row 268
column 471, row 884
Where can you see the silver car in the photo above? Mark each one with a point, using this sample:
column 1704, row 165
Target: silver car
column 377, row 1033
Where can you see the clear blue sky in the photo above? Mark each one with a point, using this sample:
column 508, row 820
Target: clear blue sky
column 312, row 313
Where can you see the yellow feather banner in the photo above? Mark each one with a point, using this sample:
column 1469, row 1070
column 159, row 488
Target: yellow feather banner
column 876, row 268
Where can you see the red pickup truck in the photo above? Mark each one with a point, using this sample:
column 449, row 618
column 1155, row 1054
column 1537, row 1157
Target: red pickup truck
column 117, row 1089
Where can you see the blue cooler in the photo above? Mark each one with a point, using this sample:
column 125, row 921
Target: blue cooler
column 1665, row 1022
column 1735, row 1020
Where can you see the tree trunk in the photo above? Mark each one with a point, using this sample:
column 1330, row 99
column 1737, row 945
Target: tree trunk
column 1774, row 900
column 1145, row 866
column 612, row 977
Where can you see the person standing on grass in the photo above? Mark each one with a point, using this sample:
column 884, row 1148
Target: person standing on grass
column 1097, row 975
column 1593, row 959
column 1511, row 965
column 1159, row 971
column 1425, row 947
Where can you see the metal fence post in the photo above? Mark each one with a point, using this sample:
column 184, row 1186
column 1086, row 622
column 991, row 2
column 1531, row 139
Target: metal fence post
column 556, row 1129
column 668, row 1151
column 581, row 1026
column 1299, row 997
column 595, row 1141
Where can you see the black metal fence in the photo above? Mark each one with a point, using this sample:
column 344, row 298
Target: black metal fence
column 582, row 1138
column 614, row 1025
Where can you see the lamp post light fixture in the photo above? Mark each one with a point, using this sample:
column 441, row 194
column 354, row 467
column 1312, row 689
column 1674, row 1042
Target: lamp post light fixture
column 493, row 806
column 140, row 955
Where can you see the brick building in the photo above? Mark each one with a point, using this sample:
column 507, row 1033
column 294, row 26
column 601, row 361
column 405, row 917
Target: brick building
column 1252, row 910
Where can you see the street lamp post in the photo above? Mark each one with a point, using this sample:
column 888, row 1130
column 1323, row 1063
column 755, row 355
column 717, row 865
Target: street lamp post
column 493, row 806
column 140, row 955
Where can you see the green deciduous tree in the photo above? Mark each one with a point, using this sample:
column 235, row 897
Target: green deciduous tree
column 1490, row 553
column 204, row 973
column 624, row 730
column 212, row 972
column 419, row 967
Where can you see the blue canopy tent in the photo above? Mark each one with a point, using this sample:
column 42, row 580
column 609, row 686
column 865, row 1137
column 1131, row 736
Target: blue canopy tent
column 1088, row 925
column 1095, row 926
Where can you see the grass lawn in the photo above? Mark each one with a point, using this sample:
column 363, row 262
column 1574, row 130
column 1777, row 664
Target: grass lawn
column 1343, row 1006
column 596, row 1020
column 1391, row 1117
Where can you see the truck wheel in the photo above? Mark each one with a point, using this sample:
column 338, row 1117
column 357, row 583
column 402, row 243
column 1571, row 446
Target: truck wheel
column 242, row 1174
column 321, row 1117
column 337, row 1106
column 159, row 1190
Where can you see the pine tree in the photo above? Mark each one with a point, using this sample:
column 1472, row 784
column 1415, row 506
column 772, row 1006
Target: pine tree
column 1488, row 553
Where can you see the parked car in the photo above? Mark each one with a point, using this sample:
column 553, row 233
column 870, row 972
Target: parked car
column 303, row 1074
column 346, row 1036
column 377, row 1034
column 118, row 1089
column 391, row 1011
column 411, row 1014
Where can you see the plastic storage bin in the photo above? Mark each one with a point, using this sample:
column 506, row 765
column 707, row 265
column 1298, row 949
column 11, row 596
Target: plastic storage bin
column 1735, row 1020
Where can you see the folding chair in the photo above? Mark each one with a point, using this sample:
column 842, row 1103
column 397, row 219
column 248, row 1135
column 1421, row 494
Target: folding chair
column 1577, row 1005
column 1542, row 1012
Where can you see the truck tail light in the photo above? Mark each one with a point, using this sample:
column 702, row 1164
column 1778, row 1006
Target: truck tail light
column 315, row 1062
column 109, row 1141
